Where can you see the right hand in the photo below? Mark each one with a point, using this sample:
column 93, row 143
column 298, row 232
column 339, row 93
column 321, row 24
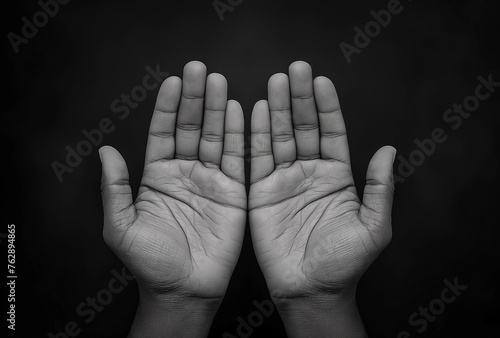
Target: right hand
column 182, row 236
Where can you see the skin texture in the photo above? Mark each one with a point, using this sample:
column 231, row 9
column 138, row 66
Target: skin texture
column 182, row 236
column 313, row 237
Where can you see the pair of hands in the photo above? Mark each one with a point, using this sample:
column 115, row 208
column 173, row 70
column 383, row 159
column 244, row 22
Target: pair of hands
column 182, row 236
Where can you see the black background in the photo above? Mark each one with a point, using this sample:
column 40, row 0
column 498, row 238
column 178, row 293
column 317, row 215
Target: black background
column 445, row 215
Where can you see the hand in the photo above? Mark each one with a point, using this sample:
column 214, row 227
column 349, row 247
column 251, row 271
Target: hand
column 312, row 236
column 182, row 236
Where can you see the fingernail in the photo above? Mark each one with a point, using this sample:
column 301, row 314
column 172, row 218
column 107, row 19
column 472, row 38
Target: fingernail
column 394, row 155
column 100, row 154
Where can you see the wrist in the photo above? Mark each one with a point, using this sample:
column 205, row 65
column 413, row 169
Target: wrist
column 321, row 315
column 173, row 316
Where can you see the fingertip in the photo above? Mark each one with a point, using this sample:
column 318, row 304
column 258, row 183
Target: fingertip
column 169, row 94
column 388, row 151
column 100, row 154
column 323, row 81
column 106, row 151
column 232, row 101
column 278, row 92
column 114, row 168
column 194, row 78
column 299, row 67
column 394, row 152
column 300, row 77
column 380, row 167
column 301, row 80
column 325, row 94
column 216, row 79
column 170, row 84
column 260, row 121
column 171, row 80
column 276, row 80
column 260, row 108
column 216, row 92
column 195, row 66
column 234, row 121
column 235, row 107
column 259, row 105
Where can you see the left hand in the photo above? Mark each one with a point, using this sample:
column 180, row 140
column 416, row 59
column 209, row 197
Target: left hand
column 312, row 235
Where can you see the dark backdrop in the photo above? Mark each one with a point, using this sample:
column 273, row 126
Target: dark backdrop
column 394, row 91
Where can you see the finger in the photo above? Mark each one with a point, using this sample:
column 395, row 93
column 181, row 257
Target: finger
column 283, row 141
column 212, row 134
column 119, row 210
column 379, row 191
column 161, row 139
column 233, row 158
column 262, row 163
column 305, row 117
column 331, row 123
column 190, row 116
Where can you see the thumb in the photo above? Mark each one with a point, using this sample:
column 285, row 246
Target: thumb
column 119, row 210
column 379, row 191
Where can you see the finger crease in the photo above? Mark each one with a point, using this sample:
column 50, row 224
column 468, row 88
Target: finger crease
column 306, row 127
column 303, row 97
column 165, row 111
column 329, row 111
column 332, row 134
column 192, row 97
column 162, row 134
column 189, row 127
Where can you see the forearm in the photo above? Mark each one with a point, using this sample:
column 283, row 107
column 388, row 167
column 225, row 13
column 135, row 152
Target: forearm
column 331, row 316
column 160, row 318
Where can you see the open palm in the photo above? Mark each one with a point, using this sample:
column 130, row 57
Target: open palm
column 310, row 231
column 184, row 232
